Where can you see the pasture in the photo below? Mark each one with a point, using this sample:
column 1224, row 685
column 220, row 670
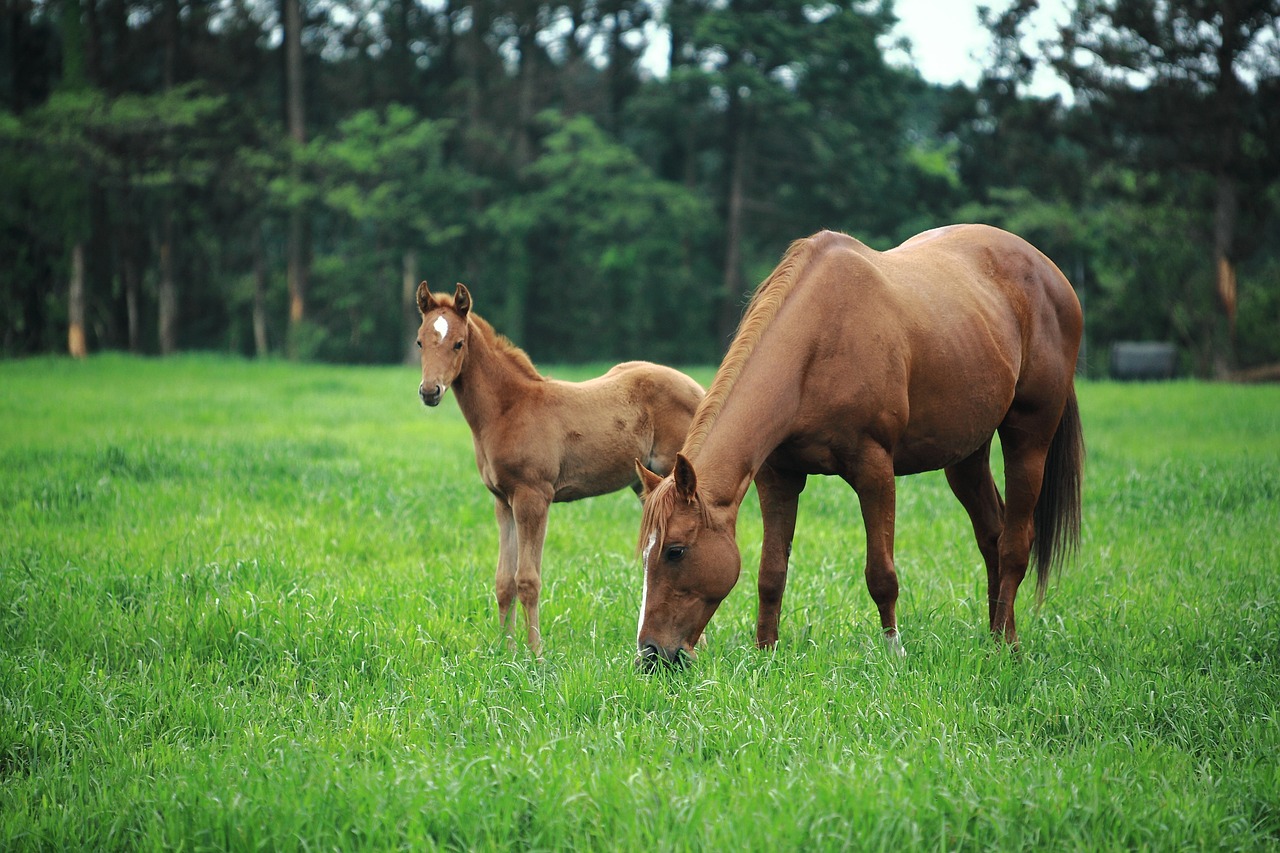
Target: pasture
column 251, row 606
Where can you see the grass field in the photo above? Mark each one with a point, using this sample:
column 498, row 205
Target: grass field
column 249, row 606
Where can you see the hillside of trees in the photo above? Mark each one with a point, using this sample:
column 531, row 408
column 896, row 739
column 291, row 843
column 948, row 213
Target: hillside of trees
column 273, row 179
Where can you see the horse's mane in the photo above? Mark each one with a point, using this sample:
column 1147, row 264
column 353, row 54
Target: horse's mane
column 763, row 307
column 500, row 343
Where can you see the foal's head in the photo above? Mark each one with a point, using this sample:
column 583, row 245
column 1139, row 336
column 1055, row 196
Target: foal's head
column 442, row 337
column 691, row 561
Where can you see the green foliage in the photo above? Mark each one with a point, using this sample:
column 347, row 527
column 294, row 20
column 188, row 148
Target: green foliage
column 250, row 605
column 597, row 269
column 531, row 150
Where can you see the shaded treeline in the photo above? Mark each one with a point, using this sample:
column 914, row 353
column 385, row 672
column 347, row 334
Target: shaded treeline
column 609, row 177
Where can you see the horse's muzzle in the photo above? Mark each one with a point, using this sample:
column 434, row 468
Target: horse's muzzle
column 652, row 656
column 432, row 396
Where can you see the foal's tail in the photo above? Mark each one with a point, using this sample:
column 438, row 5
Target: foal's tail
column 1057, row 513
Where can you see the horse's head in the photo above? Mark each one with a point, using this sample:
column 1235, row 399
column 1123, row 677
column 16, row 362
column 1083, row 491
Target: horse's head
column 442, row 337
column 691, row 561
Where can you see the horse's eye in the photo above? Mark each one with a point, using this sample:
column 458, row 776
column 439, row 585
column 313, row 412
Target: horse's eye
column 457, row 346
column 419, row 343
column 675, row 553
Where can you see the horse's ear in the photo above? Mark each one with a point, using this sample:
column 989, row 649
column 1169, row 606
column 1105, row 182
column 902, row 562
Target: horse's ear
column 686, row 480
column 648, row 480
column 461, row 300
column 425, row 302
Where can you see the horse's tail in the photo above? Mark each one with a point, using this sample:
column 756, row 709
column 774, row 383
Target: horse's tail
column 1057, row 513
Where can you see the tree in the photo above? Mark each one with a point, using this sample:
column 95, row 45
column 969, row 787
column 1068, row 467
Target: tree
column 590, row 250
column 388, row 173
column 806, row 113
column 1188, row 87
column 299, row 247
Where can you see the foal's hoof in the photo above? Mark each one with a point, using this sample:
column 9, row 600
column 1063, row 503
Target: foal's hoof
column 893, row 644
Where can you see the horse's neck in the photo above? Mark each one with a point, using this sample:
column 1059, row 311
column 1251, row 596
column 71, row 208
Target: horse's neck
column 755, row 418
column 491, row 376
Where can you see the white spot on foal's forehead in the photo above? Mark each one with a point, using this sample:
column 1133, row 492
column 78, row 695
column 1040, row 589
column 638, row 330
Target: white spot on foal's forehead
column 441, row 325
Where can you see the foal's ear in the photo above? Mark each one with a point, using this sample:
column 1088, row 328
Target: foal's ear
column 648, row 480
column 461, row 300
column 425, row 302
column 686, row 480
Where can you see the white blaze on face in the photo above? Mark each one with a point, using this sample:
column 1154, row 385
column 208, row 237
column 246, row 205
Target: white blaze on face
column 441, row 325
column 644, row 591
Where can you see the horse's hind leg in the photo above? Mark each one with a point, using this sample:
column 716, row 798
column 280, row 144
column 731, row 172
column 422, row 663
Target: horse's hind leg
column 505, row 582
column 530, row 505
column 1024, row 440
column 971, row 482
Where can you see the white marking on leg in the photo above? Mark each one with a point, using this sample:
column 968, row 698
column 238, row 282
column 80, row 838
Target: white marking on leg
column 441, row 325
column 894, row 643
column 644, row 590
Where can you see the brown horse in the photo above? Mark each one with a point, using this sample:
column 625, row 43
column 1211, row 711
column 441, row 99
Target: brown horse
column 868, row 365
column 538, row 440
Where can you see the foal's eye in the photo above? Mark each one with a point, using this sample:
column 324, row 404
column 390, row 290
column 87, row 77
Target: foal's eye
column 457, row 346
column 674, row 553
column 419, row 343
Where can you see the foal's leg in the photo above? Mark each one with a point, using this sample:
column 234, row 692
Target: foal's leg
column 505, row 583
column 877, row 494
column 971, row 482
column 530, row 505
column 779, row 496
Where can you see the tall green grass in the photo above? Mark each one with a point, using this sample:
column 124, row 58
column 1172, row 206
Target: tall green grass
column 250, row 606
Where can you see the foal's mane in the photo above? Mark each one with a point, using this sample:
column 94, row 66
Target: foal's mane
column 499, row 343
column 764, row 305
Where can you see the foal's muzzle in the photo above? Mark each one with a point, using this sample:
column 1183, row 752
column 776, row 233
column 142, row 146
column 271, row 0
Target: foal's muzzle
column 431, row 396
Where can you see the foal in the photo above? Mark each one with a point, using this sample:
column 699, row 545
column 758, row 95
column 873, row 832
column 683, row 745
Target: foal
column 539, row 440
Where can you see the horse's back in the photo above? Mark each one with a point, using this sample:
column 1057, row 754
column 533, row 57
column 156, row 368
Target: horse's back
column 599, row 427
column 993, row 258
column 1041, row 299
column 945, row 330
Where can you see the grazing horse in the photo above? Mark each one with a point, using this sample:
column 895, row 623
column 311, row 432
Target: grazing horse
column 538, row 440
column 868, row 365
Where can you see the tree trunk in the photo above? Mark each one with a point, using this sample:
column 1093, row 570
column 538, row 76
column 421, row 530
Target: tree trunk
column 75, row 304
column 168, row 294
column 409, row 300
column 1226, row 206
column 731, row 288
column 131, row 289
column 299, row 227
column 1226, row 209
column 259, row 296
column 525, row 107
column 299, row 237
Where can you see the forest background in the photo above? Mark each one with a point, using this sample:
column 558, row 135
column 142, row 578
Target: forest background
column 274, row 178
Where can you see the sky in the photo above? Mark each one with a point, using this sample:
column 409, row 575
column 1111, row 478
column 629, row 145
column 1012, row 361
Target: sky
column 950, row 45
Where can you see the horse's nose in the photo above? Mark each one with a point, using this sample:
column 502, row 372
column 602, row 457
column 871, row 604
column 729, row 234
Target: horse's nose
column 652, row 656
column 431, row 396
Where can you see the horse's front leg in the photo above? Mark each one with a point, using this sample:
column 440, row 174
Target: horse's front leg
column 505, row 582
column 530, row 506
column 779, row 497
column 877, row 495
